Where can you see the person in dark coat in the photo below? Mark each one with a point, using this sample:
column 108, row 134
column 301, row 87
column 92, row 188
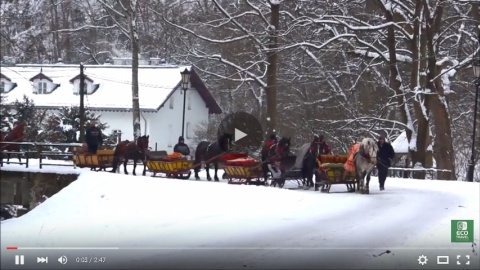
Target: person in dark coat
column 319, row 142
column 272, row 139
column 93, row 137
column 181, row 147
column 385, row 156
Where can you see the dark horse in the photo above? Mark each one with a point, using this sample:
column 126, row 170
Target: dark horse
column 210, row 153
column 17, row 135
column 275, row 153
column 127, row 150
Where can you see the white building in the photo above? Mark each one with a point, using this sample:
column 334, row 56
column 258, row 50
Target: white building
column 109, row 93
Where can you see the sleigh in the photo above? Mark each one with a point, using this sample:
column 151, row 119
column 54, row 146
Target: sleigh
column 173, row 165
column 244, row 171
column 102, row 160
column 332, row 172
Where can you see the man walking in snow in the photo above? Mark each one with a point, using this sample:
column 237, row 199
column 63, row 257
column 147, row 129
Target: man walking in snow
column 93, row 137
column 385, row 156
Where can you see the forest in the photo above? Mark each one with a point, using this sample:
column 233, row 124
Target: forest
column 346, row 69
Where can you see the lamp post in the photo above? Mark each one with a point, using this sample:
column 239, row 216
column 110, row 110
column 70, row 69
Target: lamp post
column 185, row 82
column 471, row 163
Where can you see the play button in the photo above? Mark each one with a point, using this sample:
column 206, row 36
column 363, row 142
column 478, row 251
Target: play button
column 239, row 135
column 246, row 130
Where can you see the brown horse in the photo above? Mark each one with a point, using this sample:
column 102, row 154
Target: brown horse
column 17, row 135
column 130, row 150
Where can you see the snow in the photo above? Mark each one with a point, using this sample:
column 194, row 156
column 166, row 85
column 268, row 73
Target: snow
column 115, row 89
column 171, row 221
column 400, row 144
column 275, row 2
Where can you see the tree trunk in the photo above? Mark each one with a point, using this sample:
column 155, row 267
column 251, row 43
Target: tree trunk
column 135, row 51
column 443, row 146
column 271, row 89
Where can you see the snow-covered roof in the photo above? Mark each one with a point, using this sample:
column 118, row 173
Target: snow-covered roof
column 112, row 84
column 400, row 144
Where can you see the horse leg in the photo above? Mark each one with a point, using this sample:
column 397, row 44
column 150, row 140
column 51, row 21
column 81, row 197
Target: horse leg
column 207, row 168
column 196, row 169
column 8, row 158
column 125, row 161
column 265, row 171
column 144, row 168
column 364, row 174
column 134, row 166
column 359, row 182
column 215, row 164
column 367, row 188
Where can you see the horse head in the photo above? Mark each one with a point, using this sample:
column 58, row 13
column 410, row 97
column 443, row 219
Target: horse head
column 369, row 149
column 142, row 143
column 283, row 147
column 225, row 142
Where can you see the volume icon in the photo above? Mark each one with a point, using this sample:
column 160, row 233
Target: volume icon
column 63, row 259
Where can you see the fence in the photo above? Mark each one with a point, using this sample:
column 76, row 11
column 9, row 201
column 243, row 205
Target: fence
column 41, row 151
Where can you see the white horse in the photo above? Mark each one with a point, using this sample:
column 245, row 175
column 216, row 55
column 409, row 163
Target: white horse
column 365, row 161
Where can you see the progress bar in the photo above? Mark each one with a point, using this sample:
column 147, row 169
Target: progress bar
column 237, row 248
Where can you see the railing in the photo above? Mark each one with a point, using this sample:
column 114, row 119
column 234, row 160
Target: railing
column 402, row 172
column 45, row 154
column 42, row 151
column 22, row 153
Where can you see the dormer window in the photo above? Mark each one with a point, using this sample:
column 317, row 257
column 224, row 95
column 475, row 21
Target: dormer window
column 43, row 84
column 6, row 85
column 42, row 88
column 88, row 86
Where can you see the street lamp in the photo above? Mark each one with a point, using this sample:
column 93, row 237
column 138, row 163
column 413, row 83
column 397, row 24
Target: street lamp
column 185, row 83
column 471, row 163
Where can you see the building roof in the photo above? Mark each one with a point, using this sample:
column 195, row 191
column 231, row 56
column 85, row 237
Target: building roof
column 156, row 84
column 400, row 144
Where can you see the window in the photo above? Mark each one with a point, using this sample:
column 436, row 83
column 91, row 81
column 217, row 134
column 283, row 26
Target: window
column 2, row 87
column 188, row 130
column 170, row 135
column 42, row 87
column 171, row 102
column 189, row 97
column 117, row 133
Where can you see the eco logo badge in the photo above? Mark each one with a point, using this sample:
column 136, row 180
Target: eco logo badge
column 462, row 231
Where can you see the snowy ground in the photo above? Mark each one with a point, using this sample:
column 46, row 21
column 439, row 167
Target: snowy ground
column 136, row 221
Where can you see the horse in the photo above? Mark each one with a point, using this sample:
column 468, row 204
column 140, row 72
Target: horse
column 210, row 153
column 17, row 134
column 365, row 160
column 131, row 150
column 276, row 152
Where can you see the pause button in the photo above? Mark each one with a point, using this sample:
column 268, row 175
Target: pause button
column 19, row 259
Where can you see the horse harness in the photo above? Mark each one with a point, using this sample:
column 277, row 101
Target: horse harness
column 363, row 155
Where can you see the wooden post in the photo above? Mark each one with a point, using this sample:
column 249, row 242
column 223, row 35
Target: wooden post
column 82, row 105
